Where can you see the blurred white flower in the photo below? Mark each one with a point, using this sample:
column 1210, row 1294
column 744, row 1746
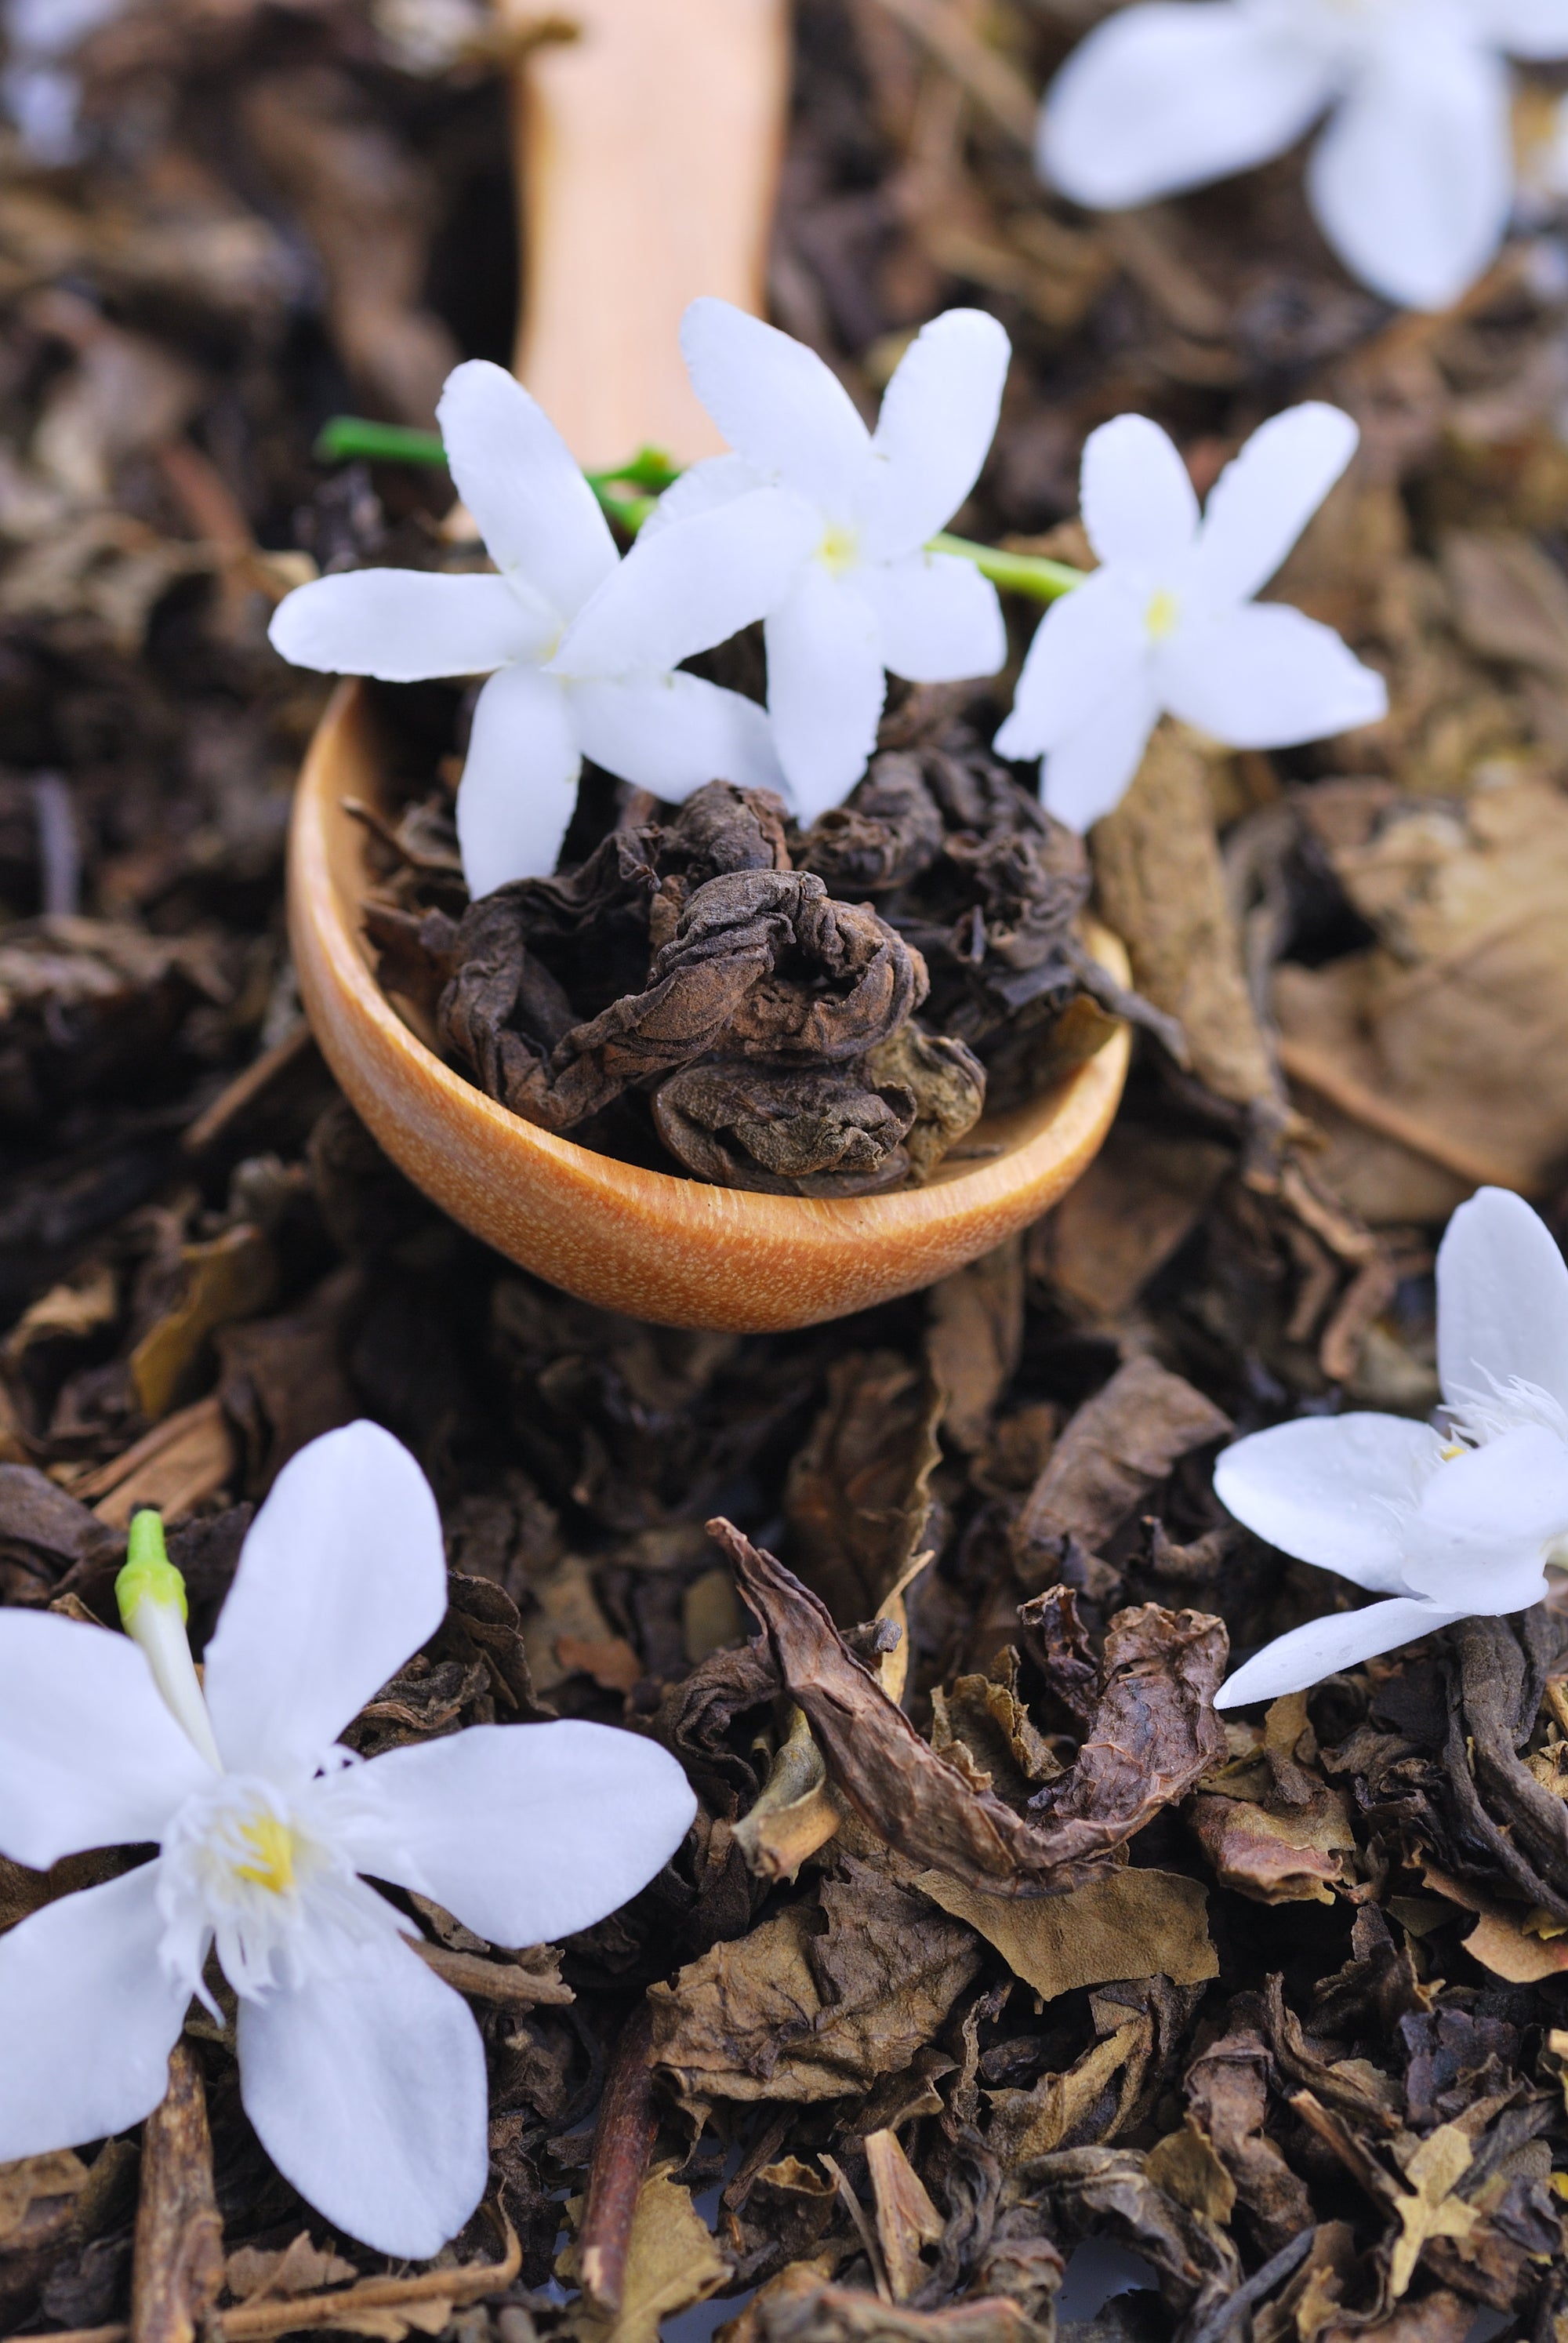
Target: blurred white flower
column 37, row 89
column 362, row 2073
column 819, row 527
column 1448, row 1526
column 1412, row 180
column 1168, row 622
column 532, row 726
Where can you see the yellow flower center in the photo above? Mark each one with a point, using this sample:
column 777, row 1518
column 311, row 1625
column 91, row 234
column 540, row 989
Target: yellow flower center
column 274, row 1844
column 840, row 549
column 1163, row 614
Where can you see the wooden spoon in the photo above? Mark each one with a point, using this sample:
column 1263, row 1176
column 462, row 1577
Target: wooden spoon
column 649, row 178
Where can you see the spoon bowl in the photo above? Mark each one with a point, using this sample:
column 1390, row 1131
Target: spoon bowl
column 648, row 1243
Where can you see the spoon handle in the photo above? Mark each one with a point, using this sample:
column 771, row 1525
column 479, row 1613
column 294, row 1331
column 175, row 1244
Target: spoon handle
column 650, row 149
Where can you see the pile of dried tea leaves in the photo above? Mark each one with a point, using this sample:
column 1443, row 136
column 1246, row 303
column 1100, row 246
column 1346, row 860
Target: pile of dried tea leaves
column 997, row 1970
column 717, row 981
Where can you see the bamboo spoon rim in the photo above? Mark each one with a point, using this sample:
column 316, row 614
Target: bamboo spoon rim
column 658, row 1246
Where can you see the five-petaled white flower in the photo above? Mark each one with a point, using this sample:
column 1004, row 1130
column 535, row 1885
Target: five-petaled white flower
column 820, row 527
column 363, row 2074
column 532, row 727
column 1168, row 622
column 1411, row 181
column 1447, row 1527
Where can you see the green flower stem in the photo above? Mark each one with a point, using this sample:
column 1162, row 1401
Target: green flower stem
column 652, row 470
column 1015, row 573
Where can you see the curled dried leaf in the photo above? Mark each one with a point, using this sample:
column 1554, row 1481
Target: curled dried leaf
column 1153, row 1733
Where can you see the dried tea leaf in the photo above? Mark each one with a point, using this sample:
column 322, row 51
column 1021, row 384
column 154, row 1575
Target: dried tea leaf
column 230, row 1277
column 1082, row 2102
column 793, row 2013
column 796, row 1812
column 1153, row 1733
column 802, row 2306
column 1160, row 885
column 1435, row 2169
column 974, row 1339
column 946, row 1081
column 1185, row 2167
column 763, row 964
column 1274, row 1854
column 784, row 1133
column 1128, row 1923
column 889, row 830
column 1135, row 1206
column 1456, row 1015
column 672, row 2261
column 1227, row 2088
column 858, row 1495
column 906, row 2217
column 33, row 2187
column 1116, row 1450
column 253, row 2272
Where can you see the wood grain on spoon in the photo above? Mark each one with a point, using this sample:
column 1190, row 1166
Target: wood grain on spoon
column 649, row 149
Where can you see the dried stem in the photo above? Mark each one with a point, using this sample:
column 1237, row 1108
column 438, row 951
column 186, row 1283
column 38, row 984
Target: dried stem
column 627, row 2124
column 178, row 2265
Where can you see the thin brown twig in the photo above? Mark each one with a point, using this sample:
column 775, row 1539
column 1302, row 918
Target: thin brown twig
column 1317, row 1070
column 178, row 2268
column 627, row 2124
column 987, row 77
column 257, row 2322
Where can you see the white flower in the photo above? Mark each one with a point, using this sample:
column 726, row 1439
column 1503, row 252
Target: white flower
column 532, row 727
column 39, row 92
column 1411, row 181
column 1448, row 1527
column 1167, row 621
column 820, row 527
column 363, row 2074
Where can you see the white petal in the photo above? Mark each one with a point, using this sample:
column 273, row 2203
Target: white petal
column 403, row 626
column 1265, row 677
column 1307, row 1654
column 825, row 689
column 87, row 2018
column 941, row 620
column 1501, row 1300
column 341, row 1578
column 938, row 418
column 521, row 481
column 519, row 784
column 1139, row 504
column 1486, row 1521
column 1263, row 500
column 778, row 406
column 1333, row 1489
column 524, row 1831
column 686, row 588
column 1170, row 96
column 1413, row 181
column 1087, row 774
column 368, row 2091
column 1087, row 649
column 89, row 1756
column 702, row 488
column 671, row 733
column 1527, row 28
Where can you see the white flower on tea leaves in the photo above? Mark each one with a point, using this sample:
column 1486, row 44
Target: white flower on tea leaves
column 1412, row 180
column 532, row 727
column 1167, row 623
column 363, row 2074
column 819, row 527
column 1447, row 1526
